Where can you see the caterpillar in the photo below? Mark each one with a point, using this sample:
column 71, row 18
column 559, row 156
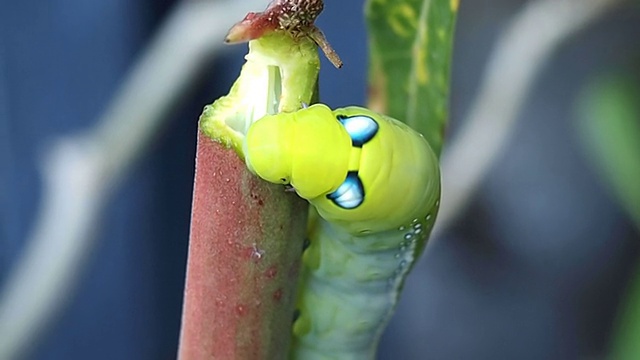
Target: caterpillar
column 374, row 186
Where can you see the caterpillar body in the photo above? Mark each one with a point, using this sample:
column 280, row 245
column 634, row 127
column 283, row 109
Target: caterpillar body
column 374, row 186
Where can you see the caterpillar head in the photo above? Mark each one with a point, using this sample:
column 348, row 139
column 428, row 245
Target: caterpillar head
column 304, row 149
column 266, row 148
column 361, row 170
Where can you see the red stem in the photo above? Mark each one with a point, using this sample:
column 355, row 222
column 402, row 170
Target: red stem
column 245, row 245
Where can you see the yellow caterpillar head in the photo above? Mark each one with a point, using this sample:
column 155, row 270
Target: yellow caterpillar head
column 300, row 149
column 361, row 170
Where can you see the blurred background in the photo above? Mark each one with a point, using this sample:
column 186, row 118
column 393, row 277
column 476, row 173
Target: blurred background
column 536, row 266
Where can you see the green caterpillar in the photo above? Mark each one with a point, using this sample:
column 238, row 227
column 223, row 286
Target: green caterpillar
column 375, row 184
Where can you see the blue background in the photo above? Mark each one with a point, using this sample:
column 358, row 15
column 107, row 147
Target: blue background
column 534, row 269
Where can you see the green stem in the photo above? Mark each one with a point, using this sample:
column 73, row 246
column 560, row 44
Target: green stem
column 280, row 75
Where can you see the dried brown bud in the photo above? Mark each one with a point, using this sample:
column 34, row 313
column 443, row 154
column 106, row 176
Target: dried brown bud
column 296, row 17
column 293, row 16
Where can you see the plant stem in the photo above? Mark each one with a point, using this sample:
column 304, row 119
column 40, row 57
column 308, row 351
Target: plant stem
column 246, row 235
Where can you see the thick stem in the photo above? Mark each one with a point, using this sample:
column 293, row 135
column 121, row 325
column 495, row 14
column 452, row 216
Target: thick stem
column 246, row 234
column 246, row 240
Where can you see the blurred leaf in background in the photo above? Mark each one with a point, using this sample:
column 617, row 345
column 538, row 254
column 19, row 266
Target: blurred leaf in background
column 609, row 125
column 610, row 129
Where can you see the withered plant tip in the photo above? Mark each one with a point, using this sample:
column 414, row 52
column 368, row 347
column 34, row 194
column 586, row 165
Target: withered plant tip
column 295, row 17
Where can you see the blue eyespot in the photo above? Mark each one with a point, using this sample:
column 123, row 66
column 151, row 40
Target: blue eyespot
column 350, row 194
column 361, row 128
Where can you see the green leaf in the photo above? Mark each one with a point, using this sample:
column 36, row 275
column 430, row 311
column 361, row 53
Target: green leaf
column 610, row 128
column 411, row 43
